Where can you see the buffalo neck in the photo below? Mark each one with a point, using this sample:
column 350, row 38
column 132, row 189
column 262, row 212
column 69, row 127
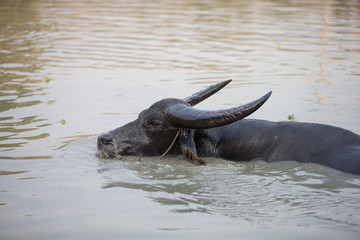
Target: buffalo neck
column 244, row 140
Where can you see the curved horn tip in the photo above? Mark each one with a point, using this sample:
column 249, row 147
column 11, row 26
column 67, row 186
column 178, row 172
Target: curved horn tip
column 268, row 94
column 205, row 93
column 223, row 83
column 261, row 100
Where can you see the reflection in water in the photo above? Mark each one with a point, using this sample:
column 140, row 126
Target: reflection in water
column 257, row 192
column 20, row 85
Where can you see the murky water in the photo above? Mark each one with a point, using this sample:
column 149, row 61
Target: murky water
column 72, row 69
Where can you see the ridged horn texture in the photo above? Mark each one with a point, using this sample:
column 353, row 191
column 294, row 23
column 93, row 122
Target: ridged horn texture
column 188, row 117
column 204, row 94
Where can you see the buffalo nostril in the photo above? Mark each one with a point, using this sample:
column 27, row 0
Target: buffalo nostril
column 105, row 139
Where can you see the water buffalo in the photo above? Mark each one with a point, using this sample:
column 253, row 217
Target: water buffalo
column 172, row 126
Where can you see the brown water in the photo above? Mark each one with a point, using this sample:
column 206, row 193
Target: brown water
column 96, row 64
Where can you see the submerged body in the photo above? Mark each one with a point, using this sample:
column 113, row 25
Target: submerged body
column 225, row 134
column 250, row 139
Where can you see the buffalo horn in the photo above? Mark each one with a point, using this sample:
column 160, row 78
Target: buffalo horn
column 204, row 94
column 188, row 117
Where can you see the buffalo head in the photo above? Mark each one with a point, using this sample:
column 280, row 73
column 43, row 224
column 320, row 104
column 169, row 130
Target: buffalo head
column 157, row 127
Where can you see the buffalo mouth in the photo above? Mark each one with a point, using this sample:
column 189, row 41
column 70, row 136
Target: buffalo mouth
column 102, row 153
column 106, row 148
column 110, row 155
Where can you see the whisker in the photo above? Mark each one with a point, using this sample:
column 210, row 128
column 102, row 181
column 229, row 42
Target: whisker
column 116, row 154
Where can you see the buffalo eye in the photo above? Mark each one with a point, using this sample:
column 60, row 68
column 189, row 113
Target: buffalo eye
column 154, row 123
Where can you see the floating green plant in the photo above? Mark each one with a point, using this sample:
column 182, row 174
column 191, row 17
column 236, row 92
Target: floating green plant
column 291, row 117
column 46, row 79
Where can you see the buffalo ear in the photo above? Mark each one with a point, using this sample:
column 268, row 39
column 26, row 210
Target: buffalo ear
column 188, row 147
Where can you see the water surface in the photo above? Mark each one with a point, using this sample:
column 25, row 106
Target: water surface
column 70, row 70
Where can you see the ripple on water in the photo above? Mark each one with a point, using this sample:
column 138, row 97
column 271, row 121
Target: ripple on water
column 263, row 193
